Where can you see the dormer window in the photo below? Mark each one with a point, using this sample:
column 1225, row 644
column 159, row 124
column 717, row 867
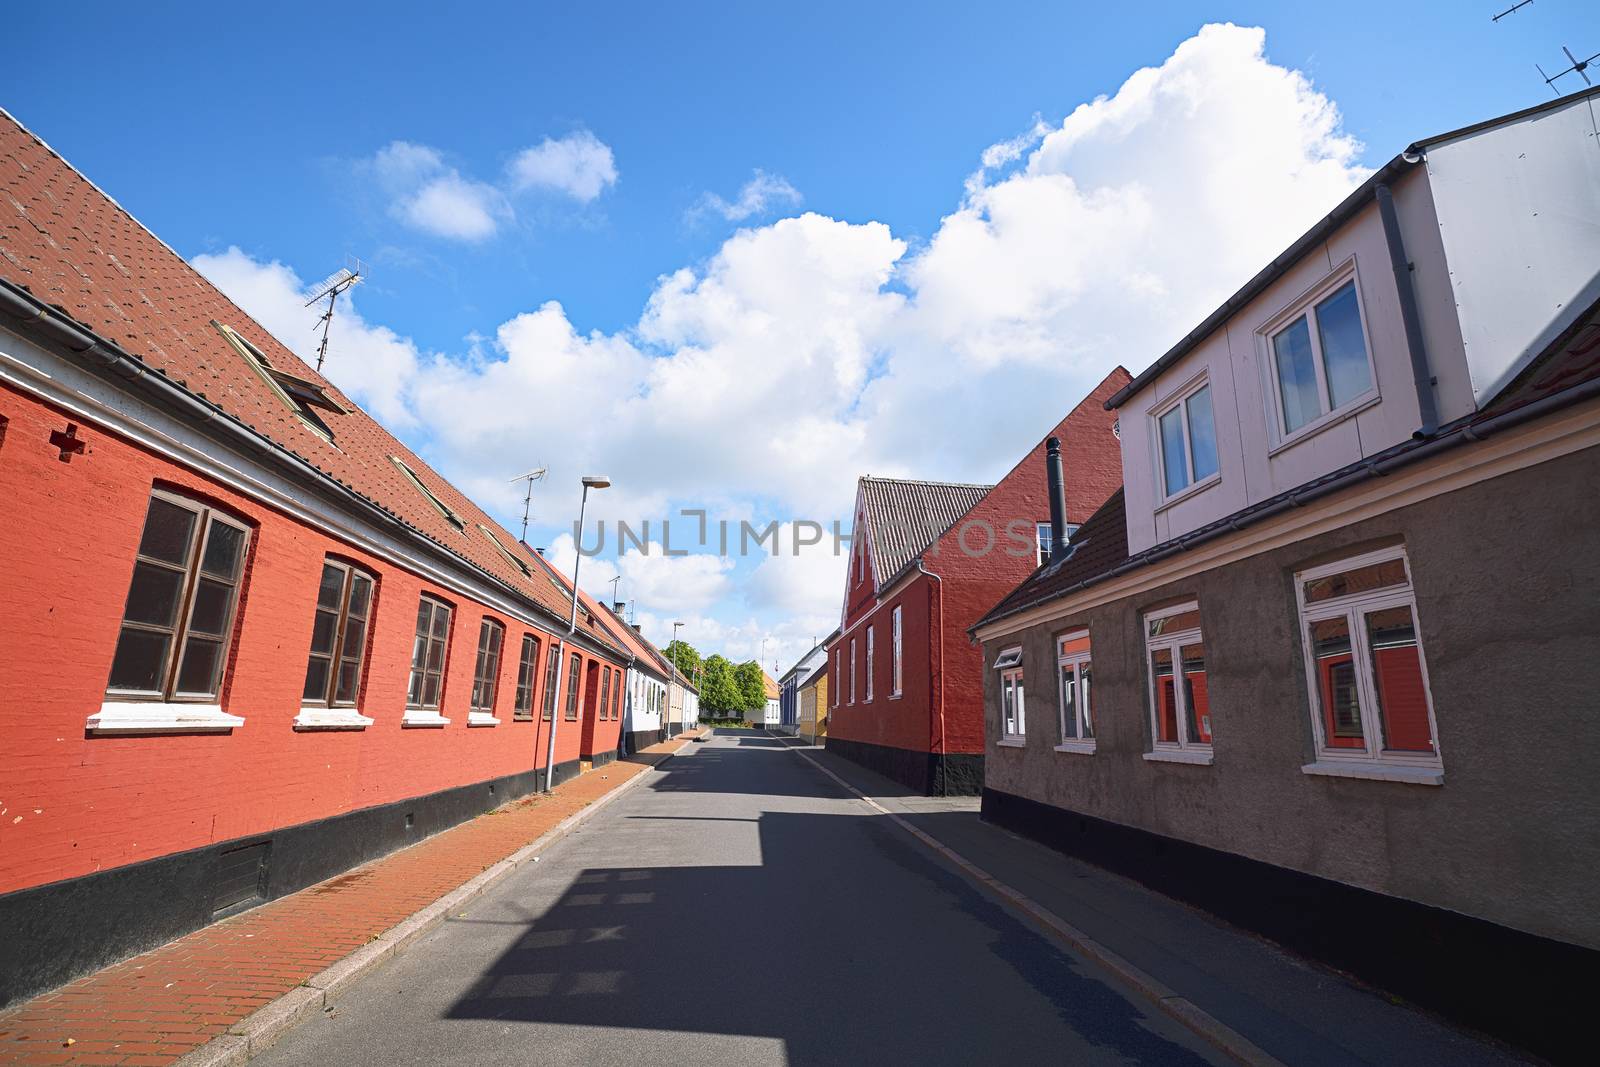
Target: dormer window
column 439, row 505
column 1319, row 362
column 1187, row 436
column 300, row 395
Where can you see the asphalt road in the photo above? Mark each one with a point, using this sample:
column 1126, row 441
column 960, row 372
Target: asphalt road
column 738, row 908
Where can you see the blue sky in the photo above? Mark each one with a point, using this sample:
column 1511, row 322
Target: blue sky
column 258, row 140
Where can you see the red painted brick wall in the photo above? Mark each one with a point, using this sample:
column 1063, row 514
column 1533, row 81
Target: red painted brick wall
column 898, row 722
column 75, row 804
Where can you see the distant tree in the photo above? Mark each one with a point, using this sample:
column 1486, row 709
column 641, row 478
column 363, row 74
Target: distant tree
column 683, row 655
column 720, row 693
column 752, row 685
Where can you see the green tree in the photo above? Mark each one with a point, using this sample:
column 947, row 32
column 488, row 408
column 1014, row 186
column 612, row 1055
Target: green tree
column 752, row 685
column 684, row 656
column 720, row 693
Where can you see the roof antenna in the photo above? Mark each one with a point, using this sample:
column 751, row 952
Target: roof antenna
column 1512, row 10
column 329, row 289
column 535, row 475
column 1578, row 67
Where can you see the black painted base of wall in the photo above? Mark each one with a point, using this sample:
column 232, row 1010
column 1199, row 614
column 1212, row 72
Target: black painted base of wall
column 953, row 774
column 1528, row 990
column 638, row 740
column 600, row 759
column 57, row 932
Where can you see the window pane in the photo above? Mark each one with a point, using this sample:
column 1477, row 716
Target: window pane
column 349, row 675
column 323, row 628
column 1083, row 697
column 1391, row 572
column 1171, row 624
column 222, row 550
column 1344, row 353
column 316, row 679
column 435, row 655
column 355, row 632
column 430, row 690
column 1069, row 702
column 441, row 621
column 209, row 615
column 168, row 529
column 360, row 594
column 1195, row 694
column 331, row 589
column 1397, row 676
column 139, row 660
column 1336, row 683
column 202, row 657
column 1297, row 377
column 1202, row 434
column 153, row 595
column 1173, row 466
column 1166, row 695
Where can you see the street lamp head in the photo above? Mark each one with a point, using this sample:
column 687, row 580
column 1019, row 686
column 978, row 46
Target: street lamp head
column 596, row 481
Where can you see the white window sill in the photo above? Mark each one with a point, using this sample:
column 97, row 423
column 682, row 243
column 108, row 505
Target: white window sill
column 331, row 719
column 1325, row 421
column 416, row 717
column 1082, row 747
column 1200, row 757
column 1012, row 742
column 481, row 718
column 154, row 717
column 1377, row 772
column 1192, row 489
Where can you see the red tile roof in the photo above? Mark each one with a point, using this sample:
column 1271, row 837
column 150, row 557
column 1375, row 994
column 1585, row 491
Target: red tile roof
column 75, row 248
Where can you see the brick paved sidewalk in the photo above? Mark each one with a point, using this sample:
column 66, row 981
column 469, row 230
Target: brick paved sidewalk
column 157, row 1007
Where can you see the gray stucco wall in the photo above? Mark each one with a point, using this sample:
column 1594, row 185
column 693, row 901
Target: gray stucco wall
column 1507, row 579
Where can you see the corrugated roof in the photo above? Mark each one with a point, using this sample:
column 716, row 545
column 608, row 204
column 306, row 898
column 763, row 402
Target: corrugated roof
column 905, row 517
column 71, row 246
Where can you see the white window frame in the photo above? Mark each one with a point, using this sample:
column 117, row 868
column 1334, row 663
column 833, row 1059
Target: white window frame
column 1370, row 761
column 1303, row 307
column 1183, row 750
column 852, row 670
column 1041, row 536
column 440, row 506
column 872, row 645
column 1082, row 739
column 1179, row 401
column 838, row 675
column 899, row 654
column 1009, row 666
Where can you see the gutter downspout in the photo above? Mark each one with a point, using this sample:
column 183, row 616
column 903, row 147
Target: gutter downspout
column 944, row 769
column 1421, row 375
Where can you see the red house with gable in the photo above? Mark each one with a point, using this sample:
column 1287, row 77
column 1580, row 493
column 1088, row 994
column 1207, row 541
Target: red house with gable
column 927, row 560
column 251, row 640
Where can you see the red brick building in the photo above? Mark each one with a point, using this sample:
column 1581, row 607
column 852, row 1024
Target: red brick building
column 927, row 560
column 250, row 638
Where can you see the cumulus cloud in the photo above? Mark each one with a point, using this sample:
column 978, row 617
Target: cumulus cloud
column 579, row 165
column 761, row 195
column 809, row 350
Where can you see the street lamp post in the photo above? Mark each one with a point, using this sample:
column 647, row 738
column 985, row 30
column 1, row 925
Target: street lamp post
column 673, row 680
column 590, row 481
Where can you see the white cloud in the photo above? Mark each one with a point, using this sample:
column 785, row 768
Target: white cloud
column 579, row 165
column 761, row 195
column 810, row 350
column 433, row 197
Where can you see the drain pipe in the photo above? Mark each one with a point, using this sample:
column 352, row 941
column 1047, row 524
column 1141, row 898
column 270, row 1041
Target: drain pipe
column 944, row 761
column 1421, row 375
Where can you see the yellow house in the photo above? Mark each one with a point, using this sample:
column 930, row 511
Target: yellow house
column 813, row 716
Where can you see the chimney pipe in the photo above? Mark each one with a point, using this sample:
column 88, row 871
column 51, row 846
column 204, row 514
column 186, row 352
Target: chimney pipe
column 619, row 606
column 1058, row 497
column 638, row 627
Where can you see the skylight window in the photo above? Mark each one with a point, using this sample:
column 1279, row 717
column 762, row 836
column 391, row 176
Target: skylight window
column 299, row 395
column 504, row 551
column 451, row 517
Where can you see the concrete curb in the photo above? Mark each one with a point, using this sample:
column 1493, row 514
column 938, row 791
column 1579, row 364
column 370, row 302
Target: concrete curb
column 255, row 1033
column 1203, row 1023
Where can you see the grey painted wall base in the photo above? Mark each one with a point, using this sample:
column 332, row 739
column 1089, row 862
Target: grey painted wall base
column 953, row 774
column 1528, row 990
column 638, row 740
column 60, row 931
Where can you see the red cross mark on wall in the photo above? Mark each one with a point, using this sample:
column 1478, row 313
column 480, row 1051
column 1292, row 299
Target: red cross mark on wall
column 68, row 442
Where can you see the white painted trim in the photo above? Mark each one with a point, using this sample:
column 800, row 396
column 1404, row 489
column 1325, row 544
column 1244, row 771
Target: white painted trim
column 1200, row 757
column 481, row 718
column 1377, row 772
column 1550, row 438
column 418, row 717
column 318, row 718
column 154, row 717
column 1013, row 742
column 1083, row 747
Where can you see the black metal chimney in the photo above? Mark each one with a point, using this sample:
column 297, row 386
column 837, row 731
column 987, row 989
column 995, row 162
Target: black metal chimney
column 1058, row 497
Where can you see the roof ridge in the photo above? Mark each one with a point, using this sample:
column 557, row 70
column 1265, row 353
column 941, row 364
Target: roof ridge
column 930, row 481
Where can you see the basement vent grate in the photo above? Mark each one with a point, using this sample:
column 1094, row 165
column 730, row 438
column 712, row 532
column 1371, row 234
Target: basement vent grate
column 241, row 877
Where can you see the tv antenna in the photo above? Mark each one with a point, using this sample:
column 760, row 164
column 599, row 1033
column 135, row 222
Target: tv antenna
column 535, row 475
column 1578, row 67
column 614, row 582
column 329, row 289
column 1512, row 10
